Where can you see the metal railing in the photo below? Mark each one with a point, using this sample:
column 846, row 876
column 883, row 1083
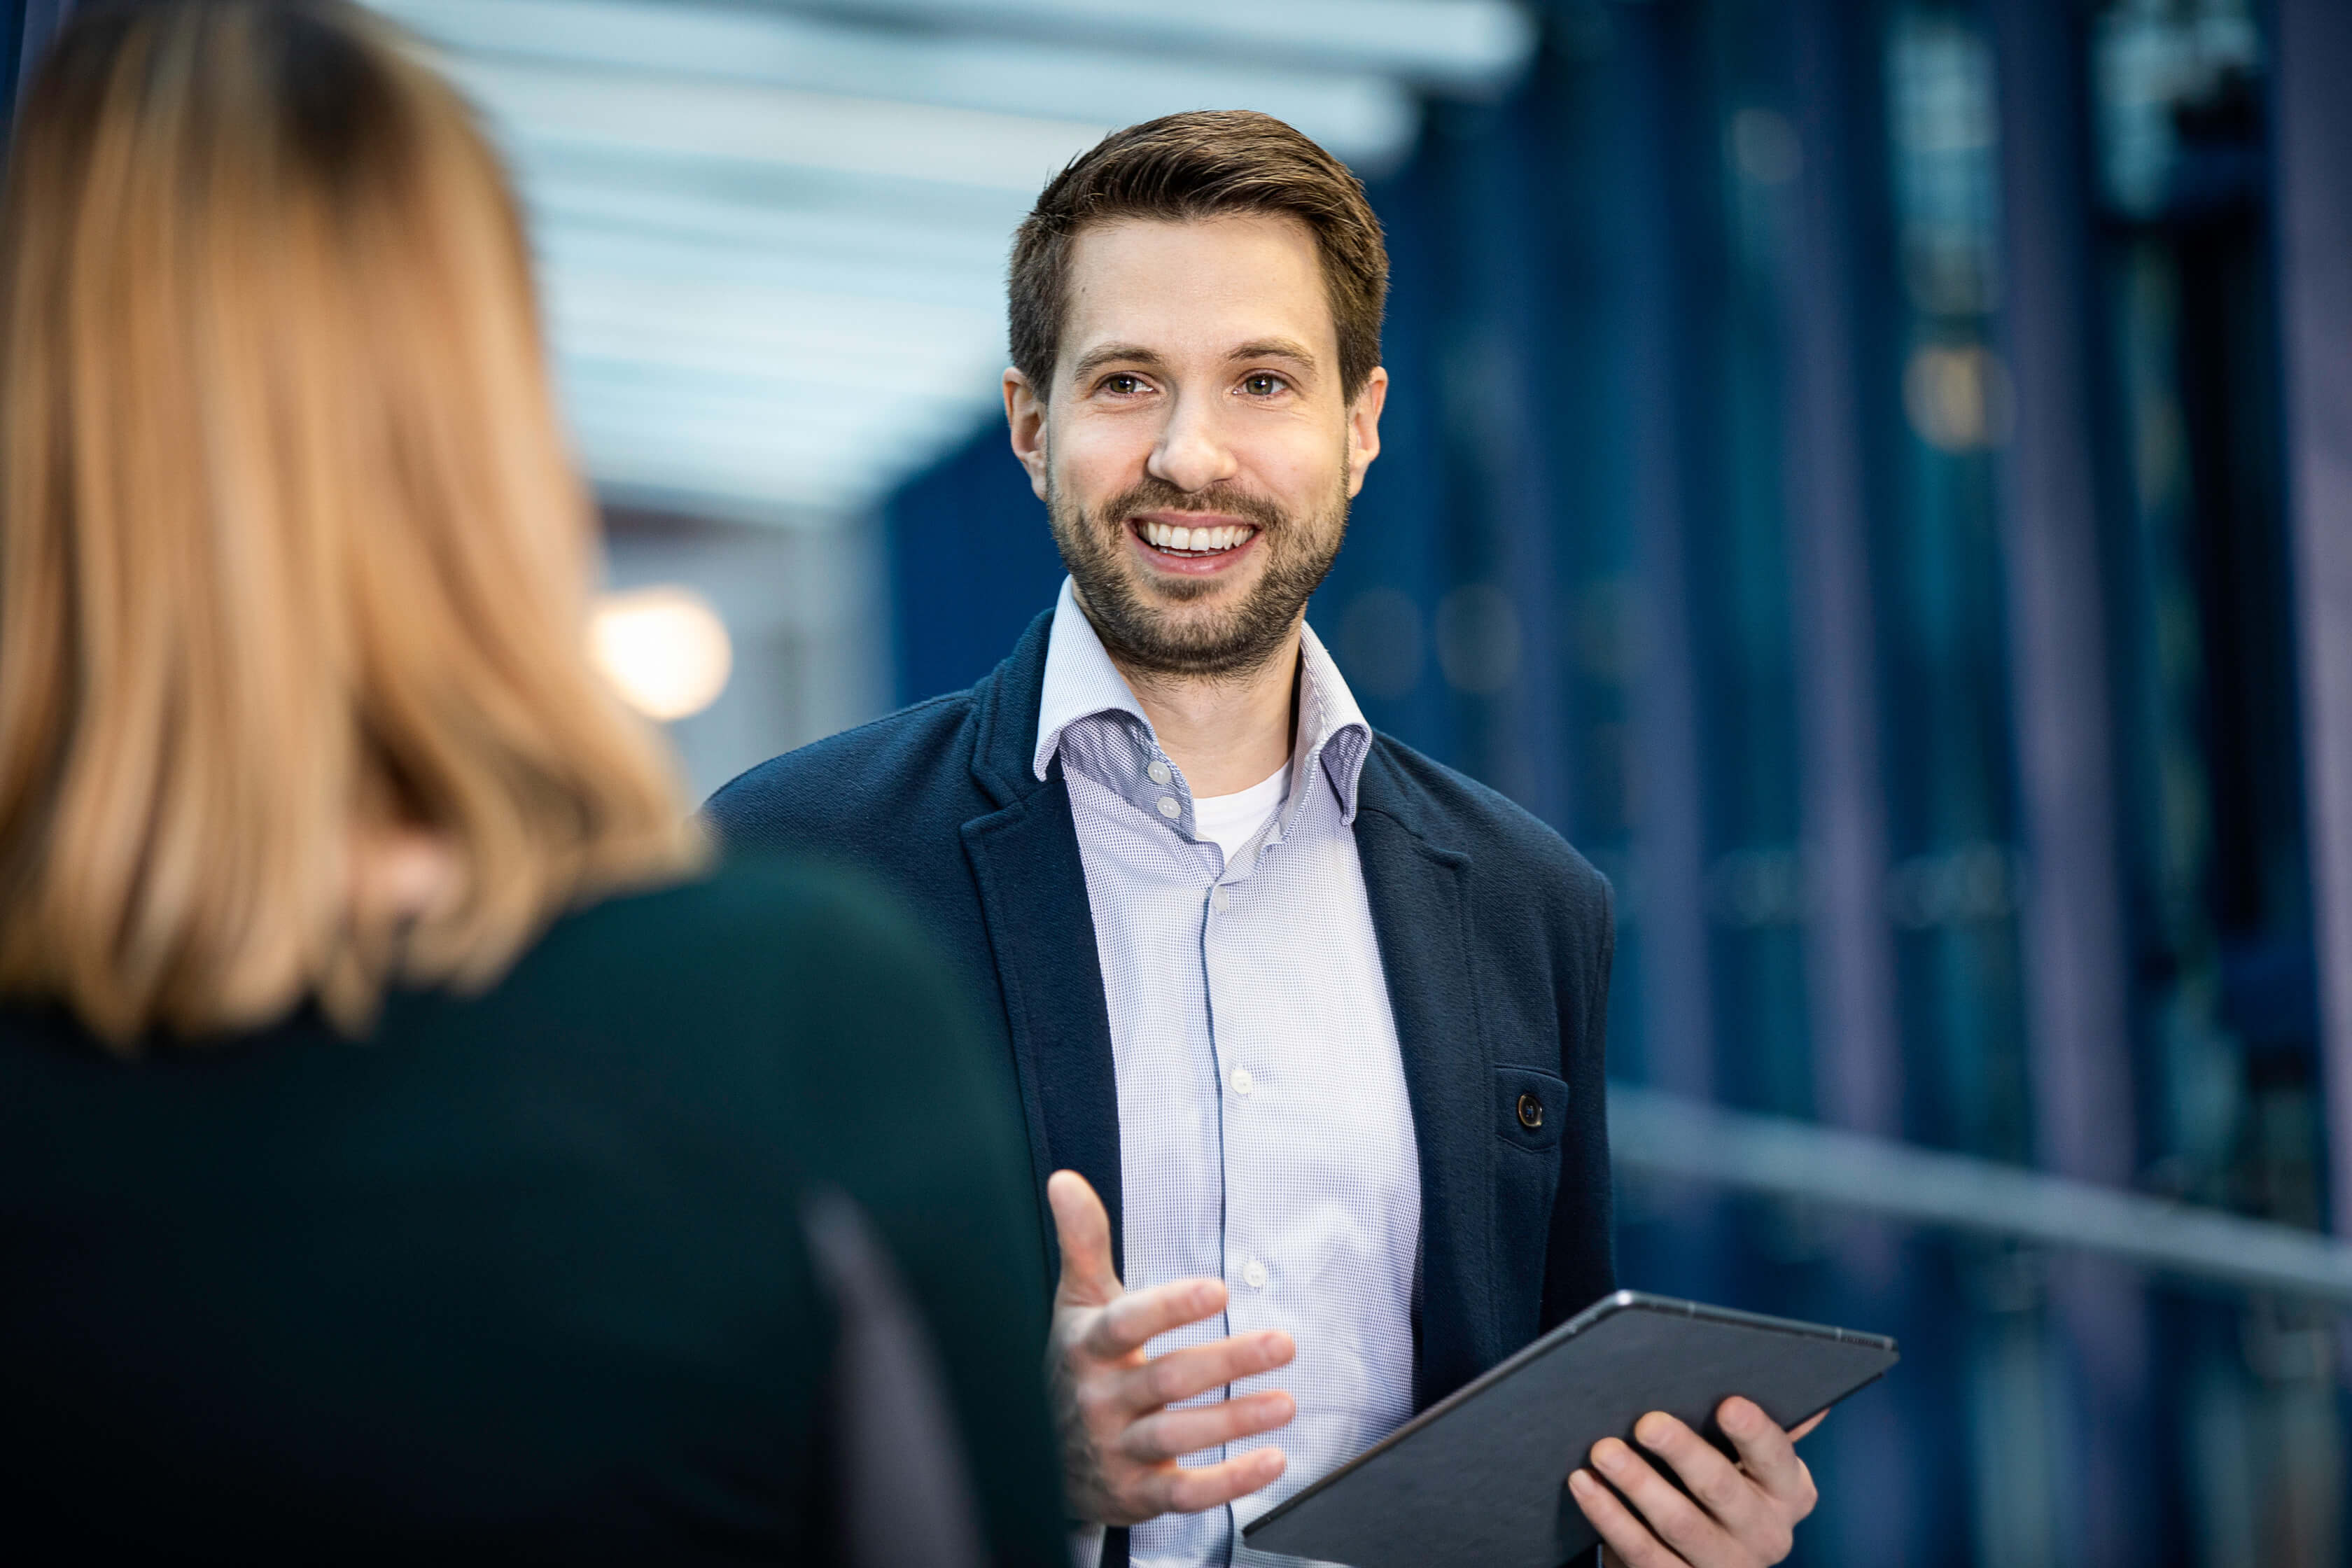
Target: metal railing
column 1667, row 1135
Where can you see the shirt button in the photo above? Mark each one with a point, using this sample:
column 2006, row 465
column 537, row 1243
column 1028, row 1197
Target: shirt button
column 1168, row 808
column 1159, row 772
column 1253, row 1275
column 1241, row 1081
column 1221, row 898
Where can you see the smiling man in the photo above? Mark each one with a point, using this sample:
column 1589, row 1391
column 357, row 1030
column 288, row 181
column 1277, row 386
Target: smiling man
column 1306, row 1029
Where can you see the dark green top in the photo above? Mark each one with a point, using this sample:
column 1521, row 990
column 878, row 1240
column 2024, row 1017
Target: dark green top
column 521, row 1275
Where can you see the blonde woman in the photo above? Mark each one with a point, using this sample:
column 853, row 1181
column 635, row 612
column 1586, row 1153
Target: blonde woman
column 408, row 1149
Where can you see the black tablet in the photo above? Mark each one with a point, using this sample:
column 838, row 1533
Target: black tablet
column 1481, row 1475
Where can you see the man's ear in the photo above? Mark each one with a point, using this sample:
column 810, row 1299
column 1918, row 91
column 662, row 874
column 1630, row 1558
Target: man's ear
column 1024, row 419
column 1364, row 427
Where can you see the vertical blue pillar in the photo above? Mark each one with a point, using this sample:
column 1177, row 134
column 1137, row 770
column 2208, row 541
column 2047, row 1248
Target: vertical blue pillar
column 1669, row 827
column 12, row 55
column 2077, row 965
column 1850, row 958
column 2313, row 133
column 25, row 28
column 2076, row 977
column 1850, row 977
column 1504, row 281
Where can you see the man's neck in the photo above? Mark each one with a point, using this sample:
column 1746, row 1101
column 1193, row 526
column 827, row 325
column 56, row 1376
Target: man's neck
column 1227, row 732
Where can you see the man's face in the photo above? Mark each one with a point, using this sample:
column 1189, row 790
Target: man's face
column 1196, row 457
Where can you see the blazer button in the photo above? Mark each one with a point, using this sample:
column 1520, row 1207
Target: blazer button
column 1531, row 1112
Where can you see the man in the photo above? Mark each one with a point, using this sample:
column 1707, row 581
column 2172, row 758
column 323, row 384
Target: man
column 1319, row 1020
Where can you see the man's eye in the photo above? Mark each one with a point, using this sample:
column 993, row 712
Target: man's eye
column 1261, row 384
column 1122, row 385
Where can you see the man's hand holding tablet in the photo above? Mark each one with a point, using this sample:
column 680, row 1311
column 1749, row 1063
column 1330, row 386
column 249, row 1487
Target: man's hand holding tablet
column 1648, row 1425
column 1723, row 1516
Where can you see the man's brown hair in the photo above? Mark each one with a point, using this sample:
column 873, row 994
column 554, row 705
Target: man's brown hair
column 1206, row 163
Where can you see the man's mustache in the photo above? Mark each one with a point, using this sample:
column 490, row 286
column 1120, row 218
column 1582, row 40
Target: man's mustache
column 1159, row 495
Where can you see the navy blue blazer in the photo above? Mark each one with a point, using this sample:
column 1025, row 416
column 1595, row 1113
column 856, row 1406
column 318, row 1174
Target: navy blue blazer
column 1495, row 935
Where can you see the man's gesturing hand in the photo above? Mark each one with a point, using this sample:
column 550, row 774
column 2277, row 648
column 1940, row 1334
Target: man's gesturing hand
column 1119, row 1440
column 1744, row 1516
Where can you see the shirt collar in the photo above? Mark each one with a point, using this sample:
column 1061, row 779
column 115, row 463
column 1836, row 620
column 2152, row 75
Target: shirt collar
column 1081, row 682
column 1332, row 729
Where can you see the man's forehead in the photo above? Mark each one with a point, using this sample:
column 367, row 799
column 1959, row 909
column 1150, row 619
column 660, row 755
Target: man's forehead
column 1215, row 285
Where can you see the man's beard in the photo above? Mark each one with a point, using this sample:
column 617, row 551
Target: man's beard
column 1146, row 637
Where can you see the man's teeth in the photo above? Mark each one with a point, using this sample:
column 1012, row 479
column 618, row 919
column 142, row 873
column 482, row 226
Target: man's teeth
column 1195, row 540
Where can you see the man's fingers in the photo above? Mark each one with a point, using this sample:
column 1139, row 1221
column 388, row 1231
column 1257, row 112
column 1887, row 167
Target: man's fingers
column 1627, row 1536
column 1139, row 1317
column 1083, row 1228
column 1769, row 1454
column 1173, row 1489
column 1172, row 1433
column 1796, row 1433
column 1179, row 1375
column 1672, row 1517
column 1730, row 1495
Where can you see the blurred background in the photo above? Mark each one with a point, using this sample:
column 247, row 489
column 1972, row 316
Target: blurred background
column 1875, row 473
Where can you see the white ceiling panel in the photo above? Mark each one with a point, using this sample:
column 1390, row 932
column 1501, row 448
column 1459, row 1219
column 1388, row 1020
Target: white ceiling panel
column 866, row 345
column 748, row 446
column 939, row 292
column 1463, row 44
column 903, row 236
column 611, row 107
column 773, row 237
column 1362, row 116
column 752, row 206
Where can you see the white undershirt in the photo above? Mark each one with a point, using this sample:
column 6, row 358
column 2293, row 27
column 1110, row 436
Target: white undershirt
column 1230, row 821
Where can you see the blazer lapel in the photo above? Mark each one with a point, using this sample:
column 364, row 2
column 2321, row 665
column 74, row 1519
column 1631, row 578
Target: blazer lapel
column 1417, row 889
column 1041, row 930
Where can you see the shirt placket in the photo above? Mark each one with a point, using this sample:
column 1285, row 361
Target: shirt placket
column 1223, row 893
column 1248, row 1084
column 1248, row 1080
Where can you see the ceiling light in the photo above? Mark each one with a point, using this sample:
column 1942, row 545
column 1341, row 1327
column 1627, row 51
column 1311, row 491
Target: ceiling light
column 665, row 649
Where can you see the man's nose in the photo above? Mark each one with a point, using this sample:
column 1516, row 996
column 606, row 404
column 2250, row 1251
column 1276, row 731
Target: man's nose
column 1191, row 454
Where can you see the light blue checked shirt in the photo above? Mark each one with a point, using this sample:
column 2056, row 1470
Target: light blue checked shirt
column 1264, row 1134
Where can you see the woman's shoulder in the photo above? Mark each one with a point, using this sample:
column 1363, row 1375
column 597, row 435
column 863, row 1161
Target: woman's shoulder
column 752, row 948
column 742, row 912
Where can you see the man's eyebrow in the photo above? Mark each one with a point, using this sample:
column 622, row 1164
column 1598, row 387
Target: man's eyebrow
column 1275, row 348
column 1113, row 353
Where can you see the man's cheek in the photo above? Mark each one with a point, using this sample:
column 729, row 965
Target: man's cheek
column 1104, row 460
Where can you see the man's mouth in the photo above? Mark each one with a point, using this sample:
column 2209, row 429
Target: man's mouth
column 1187, row 543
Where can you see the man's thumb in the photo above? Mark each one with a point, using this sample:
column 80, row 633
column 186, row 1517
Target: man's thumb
column 1084, row 1226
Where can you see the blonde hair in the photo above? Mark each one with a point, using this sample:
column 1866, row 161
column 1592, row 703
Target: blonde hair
column 292, row 555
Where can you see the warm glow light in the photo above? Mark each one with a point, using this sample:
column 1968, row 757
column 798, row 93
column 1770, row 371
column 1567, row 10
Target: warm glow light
column 665, row 649
column 1957, row 396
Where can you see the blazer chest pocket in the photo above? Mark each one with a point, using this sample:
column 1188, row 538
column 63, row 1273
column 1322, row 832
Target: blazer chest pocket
column 1530, row 1107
